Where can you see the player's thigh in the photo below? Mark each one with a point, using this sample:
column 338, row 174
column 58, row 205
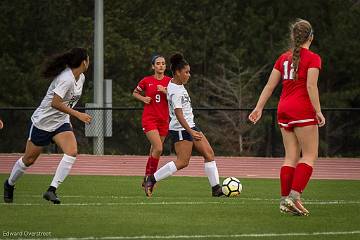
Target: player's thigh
column 32, row 152
column 308, row 137
column 292, row 147
column 204, row 148
column 183, row 151
column 67, row 142
column 154, row 138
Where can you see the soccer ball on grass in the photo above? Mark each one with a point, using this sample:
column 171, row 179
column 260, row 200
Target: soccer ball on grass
column 231, row 187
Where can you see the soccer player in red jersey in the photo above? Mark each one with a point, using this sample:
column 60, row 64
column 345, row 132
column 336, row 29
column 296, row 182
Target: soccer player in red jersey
column 299, row 114
column 151, row 90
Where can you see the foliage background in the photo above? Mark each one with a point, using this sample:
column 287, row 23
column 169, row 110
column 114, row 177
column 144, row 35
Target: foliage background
column 231, row 45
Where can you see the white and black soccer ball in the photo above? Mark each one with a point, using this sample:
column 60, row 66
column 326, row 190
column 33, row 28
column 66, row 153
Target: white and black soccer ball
column 231, row 187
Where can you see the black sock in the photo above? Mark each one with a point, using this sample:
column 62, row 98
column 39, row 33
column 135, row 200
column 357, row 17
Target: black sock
column 52, row 189
column 152, row 178
column 216, row 187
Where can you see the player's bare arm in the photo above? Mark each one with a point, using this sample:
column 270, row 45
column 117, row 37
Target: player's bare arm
column 180, row 117
column 58, row 104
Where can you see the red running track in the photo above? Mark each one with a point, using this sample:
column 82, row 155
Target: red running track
column 242, row 167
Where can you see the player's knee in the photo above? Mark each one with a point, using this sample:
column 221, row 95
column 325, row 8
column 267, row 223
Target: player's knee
column 209, row 155
column 157, row 151
column 72, row 152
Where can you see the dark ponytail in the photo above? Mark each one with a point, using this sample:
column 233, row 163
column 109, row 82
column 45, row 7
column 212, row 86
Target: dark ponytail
column 177, row 62
column 54, row 65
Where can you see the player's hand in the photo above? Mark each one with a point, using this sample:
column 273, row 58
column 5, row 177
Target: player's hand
column 255, row 115
column 161, row 88
column 321, row 119
column 86, row 118
column 1, row 124
column 196, row 135
column 147, row 100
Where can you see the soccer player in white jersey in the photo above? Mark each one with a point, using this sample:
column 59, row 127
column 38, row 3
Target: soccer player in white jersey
column 51, row 120
column 183, row 131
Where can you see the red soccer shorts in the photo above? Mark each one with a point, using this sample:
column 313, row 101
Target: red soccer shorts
column 161, row 126
column 289, row 123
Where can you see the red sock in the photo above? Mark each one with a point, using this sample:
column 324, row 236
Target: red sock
column 148, row 167
column 154, row 164
column 301, row 177
column 286, row 179
column 151, row 165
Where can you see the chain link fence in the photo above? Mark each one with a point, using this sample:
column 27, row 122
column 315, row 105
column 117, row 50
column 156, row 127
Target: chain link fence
column 228, row 131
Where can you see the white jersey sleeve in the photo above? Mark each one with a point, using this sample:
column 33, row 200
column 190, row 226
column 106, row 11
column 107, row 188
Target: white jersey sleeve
column 178, row 97
column 65, row 85
column 175, row 99
column 62, row 86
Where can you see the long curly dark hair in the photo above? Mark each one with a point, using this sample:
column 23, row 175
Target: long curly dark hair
column 55, row 64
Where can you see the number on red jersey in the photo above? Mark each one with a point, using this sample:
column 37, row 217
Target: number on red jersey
column 157, row 98
column 286, row 71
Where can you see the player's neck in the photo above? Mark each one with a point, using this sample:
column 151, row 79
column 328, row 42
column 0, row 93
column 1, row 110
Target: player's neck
column 176, row 81
column 306, row 45
column 159, row 76
column 76, row 72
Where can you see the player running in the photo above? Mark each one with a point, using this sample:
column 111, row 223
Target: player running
column 183, row 131
column 155, row 117
column 51, row 121
column 299, row 114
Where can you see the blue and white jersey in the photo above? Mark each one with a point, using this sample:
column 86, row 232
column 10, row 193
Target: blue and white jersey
column 178, row 97
column 64, row 85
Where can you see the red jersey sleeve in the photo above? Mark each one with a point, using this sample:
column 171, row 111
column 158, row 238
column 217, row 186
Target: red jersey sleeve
column 141, row 85
column 277, row 65
column 315, row 62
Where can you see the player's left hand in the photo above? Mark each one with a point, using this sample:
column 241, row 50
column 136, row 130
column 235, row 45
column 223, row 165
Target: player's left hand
column 1, row 124
column 161, row 88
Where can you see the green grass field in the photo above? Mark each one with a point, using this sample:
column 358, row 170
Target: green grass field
column 110, row 207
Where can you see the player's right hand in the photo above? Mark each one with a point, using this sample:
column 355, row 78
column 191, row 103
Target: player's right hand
column 147, row 100
column 196, row 135
column 255, row 115
column 86, row 118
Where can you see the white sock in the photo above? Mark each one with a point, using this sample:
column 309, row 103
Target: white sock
column 62, row 170
column 17, row 171
column 165, row 171
column 212, row 173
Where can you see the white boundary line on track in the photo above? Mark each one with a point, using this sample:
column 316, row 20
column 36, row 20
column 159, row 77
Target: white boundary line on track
column 245, row 235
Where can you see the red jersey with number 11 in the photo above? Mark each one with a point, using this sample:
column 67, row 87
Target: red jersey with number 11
column 294, row 101
column 158, row 108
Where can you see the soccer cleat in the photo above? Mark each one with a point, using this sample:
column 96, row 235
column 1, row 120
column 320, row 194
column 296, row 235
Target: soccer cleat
column 143, row 182
column 301, row 207
column 149, row 185
column 217, row 191
column 296, row 206
column 51, row 196
column 8, row 192
column 285, row 209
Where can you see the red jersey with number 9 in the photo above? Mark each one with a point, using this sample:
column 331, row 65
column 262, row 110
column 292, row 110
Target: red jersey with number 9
column 157, row 109
column 295, row 105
